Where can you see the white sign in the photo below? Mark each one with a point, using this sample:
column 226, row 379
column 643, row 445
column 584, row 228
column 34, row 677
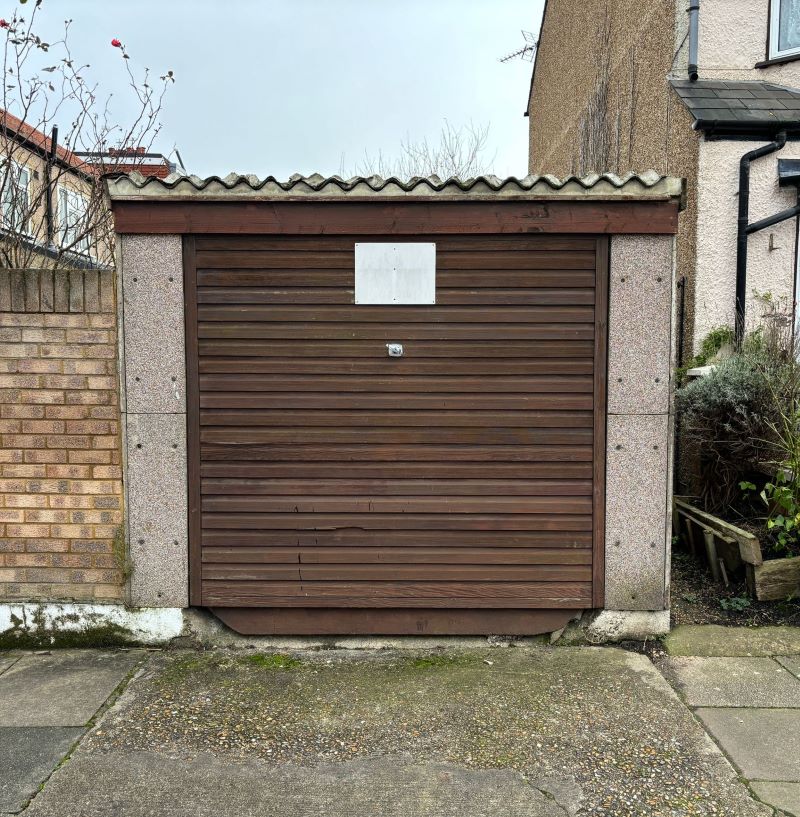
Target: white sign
column 395, row 273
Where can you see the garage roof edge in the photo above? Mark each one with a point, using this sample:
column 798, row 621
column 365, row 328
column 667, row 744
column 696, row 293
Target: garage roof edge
column 649, row 185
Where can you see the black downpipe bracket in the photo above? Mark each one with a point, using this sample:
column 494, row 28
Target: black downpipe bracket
column 694, row 30
column 744, row 228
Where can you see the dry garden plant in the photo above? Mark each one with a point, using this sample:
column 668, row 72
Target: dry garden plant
column 743, row 419
column 53, row 208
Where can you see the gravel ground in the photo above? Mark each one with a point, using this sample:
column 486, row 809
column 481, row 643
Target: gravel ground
column 598, row 729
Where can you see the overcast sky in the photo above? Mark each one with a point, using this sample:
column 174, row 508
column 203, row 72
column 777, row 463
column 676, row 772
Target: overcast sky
column 284, row 86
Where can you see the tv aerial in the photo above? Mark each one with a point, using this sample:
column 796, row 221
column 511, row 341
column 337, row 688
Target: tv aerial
column 527, row 52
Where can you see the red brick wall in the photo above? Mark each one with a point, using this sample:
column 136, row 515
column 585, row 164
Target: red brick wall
column 60, row 461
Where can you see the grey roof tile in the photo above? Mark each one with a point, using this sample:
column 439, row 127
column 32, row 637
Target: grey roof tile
column 721, row 104
column 764, row 104
column 758, row 106
column 713, row 83
column 700, row 93
column 742, row 86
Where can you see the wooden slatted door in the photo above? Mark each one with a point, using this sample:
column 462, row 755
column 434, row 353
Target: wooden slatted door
column 327, row 477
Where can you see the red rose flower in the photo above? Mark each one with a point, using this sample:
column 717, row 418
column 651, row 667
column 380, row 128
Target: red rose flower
column 116, row 43
column 5, row 24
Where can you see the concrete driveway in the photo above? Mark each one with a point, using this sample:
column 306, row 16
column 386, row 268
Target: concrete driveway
column 540, row 731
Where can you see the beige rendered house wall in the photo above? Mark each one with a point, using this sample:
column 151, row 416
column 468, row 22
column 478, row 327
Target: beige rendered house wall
column 732, row 39
column 771, row 253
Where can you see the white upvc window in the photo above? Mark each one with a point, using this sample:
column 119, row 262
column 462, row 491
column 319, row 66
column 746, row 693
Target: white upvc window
column 15, row 197
column 784, row 28
column 72, row 219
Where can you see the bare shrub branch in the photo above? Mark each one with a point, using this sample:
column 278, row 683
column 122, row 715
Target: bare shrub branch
column 44, row 86
column 459, row 153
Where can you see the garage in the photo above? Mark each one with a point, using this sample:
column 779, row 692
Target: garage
column 396, row 396
column 459, row 475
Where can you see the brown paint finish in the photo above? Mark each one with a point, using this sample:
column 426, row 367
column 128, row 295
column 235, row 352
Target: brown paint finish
column 332, row 484
column 395, row 556
column 388, row 621
column 393, row 538
column 394, row 593
column 404, row 218
column 469, row 277
column 600, row 400
column 192, row 421
column 449, row 243
column 396, row 487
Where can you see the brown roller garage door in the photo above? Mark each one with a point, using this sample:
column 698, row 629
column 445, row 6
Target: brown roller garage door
column 458, row 488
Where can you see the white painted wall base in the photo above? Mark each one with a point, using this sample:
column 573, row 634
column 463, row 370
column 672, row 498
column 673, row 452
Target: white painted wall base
column 623, row 625
column 159, row 625
column 143, row 625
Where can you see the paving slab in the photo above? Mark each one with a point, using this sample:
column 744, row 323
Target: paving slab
column 792, row 663
column 64, row 688
column 716, row 640
column 784, row 796
column 737, row 682
column 763, row 743
column 27, row 757
column 209, row 786
column 522, row 731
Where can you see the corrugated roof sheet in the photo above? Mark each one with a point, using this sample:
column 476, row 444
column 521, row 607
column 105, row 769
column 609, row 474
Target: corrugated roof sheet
column 648, row 185
column 740, row 107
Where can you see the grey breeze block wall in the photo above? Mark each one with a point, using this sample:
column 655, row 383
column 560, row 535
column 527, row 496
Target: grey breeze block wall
column 639, row 423
column 153, row 404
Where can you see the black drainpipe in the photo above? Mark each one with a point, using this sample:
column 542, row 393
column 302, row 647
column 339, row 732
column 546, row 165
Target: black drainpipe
column 48, row 169
column 694, row 28
column 744, row 228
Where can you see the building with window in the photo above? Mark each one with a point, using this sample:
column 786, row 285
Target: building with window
column 45, row 201
column 707, row 90
column 52, row 209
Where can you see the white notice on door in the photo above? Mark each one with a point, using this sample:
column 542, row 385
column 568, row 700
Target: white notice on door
column 395, row 273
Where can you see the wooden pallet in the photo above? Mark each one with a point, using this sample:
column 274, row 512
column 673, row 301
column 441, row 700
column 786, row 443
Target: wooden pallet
column 728, row 548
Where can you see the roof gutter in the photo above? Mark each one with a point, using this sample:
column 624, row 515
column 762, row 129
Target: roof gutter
column 694, row 38
column 42, row 152
column 744, row 228
column 745, row 131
